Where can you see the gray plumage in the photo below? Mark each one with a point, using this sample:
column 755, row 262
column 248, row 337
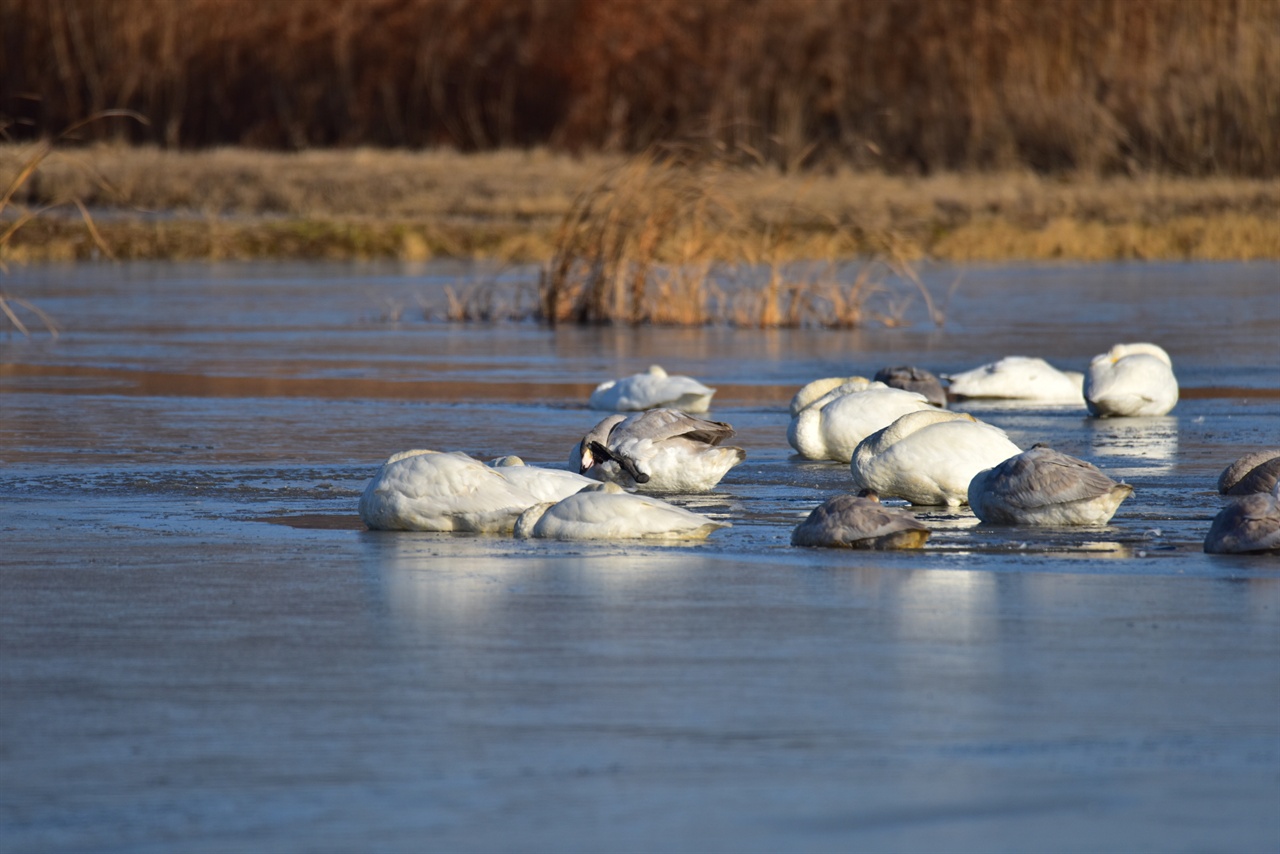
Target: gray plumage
column 661, row 450
column 1248, row 524
column 911, row 378
column 1041, row 486
column 860, row 522
column 1254, row 472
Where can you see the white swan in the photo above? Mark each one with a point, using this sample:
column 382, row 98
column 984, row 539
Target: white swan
column 810, row 392
column 544, row 484
column 662, row 450
column 1131, row 379
column 605, row 511
column 650, row 390
column 1042, row 486
column 929, row 457
column 433, row 491
column 911, row 378
column 860, row 522
column 1254, row 472
column 1248, row 524
column 1019, row 378
column 832, row 426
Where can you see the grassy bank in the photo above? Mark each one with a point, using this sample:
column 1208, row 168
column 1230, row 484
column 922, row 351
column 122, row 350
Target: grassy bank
column 509, row 205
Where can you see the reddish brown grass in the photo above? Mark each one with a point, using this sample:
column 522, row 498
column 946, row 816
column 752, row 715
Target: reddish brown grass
column 1130, row 86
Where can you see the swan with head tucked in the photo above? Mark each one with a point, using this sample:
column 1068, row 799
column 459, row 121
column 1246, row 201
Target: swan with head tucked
column 433, row 491
column 661, row 450
column 929, row 457
column 650, row 390
column 811, row 391
column 1131, row 379
column 1254, row 472
column 1247, row 525
column 833, row 425
column 860, row 522
column 1041, row 486
column 1019, row 378
column 605, row 511
column 911, row 378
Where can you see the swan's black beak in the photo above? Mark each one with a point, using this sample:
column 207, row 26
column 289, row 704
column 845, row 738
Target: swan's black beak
column 600, row 452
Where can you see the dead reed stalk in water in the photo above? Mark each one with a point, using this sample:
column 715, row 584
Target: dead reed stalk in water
column 19, row 215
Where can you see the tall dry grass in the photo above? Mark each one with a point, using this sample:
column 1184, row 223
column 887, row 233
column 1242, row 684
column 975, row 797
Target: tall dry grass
column 1131, row 86
column 659, row 240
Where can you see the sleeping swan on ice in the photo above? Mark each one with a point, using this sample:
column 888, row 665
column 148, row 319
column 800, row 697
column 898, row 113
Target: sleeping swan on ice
column 433, row 491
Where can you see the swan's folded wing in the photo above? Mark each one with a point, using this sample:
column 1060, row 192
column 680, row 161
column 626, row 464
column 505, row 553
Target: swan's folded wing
column 1038, row 481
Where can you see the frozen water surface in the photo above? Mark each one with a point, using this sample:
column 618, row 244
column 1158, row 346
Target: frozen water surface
column 203, row 650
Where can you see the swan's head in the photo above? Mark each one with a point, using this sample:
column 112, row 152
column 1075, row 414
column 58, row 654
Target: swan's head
column 529, row 518
column 825, row 390
column 508, row 460
column 585, row 455
column 1119, row 351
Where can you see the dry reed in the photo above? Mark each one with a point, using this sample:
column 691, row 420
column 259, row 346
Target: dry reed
column 909, row 86
column 661, row 241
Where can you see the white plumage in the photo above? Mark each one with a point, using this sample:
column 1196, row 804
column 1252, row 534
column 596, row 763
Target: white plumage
column 433, row 491
column 929, row 457
column 650, row 390
column 662, row 450
column 833, row 425
column 810, row 392
column 1131, row 379
column 605, row 511
column 1042, row 486
column 1019, row 378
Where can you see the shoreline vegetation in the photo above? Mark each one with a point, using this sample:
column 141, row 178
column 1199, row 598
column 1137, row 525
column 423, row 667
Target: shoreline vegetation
column 144, row 202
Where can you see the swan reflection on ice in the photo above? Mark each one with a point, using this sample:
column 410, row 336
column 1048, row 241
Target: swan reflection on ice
column 1134, row 445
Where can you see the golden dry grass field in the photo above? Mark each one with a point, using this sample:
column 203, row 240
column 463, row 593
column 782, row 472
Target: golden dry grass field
column 147, row 202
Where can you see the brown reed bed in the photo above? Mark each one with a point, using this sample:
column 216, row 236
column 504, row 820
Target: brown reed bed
column 915, row 87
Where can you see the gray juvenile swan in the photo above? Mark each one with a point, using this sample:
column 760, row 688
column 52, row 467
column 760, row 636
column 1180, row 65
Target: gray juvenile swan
column 911, row 378
column 662, row 450
column 860, row 522
column 1254, row 472
column 1042, row 486
column 1248, row 524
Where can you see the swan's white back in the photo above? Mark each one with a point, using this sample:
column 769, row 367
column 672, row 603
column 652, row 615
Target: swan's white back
column 607, row 512
column 1131, row 380
column 432, row 491
column 650, row 390
column 831, row 430
column 929, row 457
column 1019, row 378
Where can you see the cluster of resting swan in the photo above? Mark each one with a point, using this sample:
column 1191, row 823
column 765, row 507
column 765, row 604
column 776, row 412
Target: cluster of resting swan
column 893, row 431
